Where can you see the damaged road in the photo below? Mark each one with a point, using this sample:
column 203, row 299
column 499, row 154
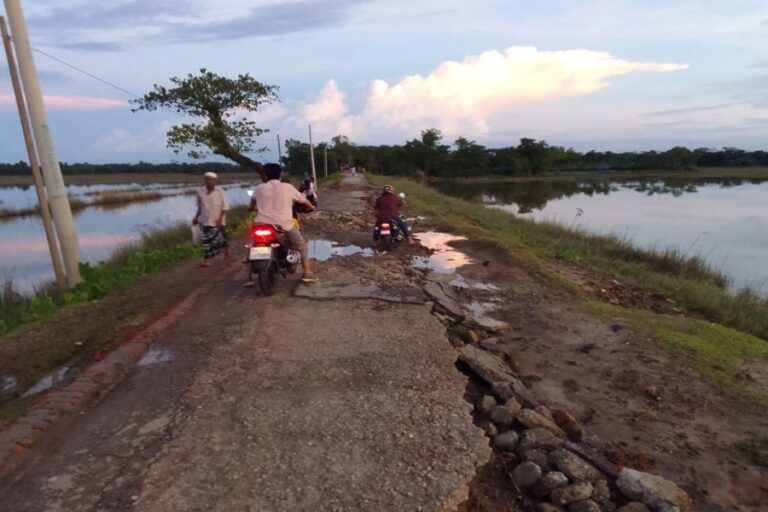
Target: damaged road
column 276, row 403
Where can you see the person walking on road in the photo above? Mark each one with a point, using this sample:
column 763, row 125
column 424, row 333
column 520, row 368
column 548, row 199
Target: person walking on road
column 211, row 216
column 274, row 202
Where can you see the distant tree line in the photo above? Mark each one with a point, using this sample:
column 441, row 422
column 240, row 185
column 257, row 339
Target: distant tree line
column 22, row 168
column 430, row 156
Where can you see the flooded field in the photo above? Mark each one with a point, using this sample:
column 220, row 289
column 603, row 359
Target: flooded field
column 24, row 256
column 723, row 221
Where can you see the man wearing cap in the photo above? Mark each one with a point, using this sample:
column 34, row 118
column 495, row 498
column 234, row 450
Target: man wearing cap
column 212, row 216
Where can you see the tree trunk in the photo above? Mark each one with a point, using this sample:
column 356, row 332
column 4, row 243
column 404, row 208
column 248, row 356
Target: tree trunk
column 227, row 152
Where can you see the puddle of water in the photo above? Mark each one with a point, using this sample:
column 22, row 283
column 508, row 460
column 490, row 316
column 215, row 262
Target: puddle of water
column 322, row 250
column 445, row 259
column 48, row 381
column 480, row 313
column 155, row 356
column 460, row 282
column 8, row 384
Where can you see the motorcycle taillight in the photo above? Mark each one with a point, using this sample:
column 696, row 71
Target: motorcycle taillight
column 384, row 226
column 263, row 234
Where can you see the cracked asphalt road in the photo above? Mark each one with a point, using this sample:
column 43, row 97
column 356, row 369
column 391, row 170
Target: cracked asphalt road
column 270, row 404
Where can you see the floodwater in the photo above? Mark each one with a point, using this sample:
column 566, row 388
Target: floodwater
column 24, row 256
column 724, row 221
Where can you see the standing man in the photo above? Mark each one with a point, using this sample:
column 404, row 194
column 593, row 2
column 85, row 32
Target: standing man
column 212, row 217
column 274, row 202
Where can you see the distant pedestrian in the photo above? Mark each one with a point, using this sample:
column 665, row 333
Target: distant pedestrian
column 212, row 217
column 307, row 188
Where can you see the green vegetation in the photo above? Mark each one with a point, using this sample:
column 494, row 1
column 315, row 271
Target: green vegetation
column 717, row 350
column 218, row 104
column 144, row 168
column 155, row 250
column 688, row 281
column 428, row 155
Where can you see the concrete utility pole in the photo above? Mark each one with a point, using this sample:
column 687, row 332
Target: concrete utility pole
column 325, row 159
column 279, row 151
column 45, row 211
column 54, row 181
column 312, row 156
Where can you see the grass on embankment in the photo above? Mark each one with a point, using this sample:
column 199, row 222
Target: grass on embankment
column 715, row 349
column 155, row 250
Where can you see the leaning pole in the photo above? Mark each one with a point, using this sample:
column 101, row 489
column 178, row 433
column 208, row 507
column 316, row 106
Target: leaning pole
column 54, row 181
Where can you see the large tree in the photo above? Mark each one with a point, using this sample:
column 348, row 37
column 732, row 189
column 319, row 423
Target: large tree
column 219, row 104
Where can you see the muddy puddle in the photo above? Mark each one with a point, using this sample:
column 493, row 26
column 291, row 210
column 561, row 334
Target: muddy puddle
column 323, row 250
column 157, row 356
column 445, row 259
column 49, row 381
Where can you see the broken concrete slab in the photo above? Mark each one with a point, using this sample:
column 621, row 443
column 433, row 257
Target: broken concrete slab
column 334, row 291
column 486, row 365
column 445, row 298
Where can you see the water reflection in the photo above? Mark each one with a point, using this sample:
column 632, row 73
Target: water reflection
column 445, row 259
column 24, row 256
column 724, row 221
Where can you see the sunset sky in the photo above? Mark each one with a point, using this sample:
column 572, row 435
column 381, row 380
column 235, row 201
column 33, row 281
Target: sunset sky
column 607, row 75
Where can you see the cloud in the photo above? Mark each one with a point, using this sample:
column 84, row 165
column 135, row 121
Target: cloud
column 69, row 102
column 460, row 97
column 110, row 26
column 752, row 91
column 688, row 110
column 125, row 142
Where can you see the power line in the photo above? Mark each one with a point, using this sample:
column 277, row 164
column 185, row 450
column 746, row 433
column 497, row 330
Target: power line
column 86, row 73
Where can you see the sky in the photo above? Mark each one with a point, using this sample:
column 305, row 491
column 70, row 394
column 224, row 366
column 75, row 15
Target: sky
column 619, row 75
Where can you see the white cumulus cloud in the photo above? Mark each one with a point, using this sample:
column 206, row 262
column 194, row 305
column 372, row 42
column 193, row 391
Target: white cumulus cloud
column 458, row 97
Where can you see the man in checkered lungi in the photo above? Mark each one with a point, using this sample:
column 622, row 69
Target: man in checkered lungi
column 212, row 217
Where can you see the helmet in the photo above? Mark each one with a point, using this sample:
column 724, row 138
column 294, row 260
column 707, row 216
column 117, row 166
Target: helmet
column 387, row 189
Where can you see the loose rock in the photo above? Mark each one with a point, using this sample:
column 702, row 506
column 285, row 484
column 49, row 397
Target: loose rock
column 548, row 507
column 514, row 388
column 532, row 419
column 504, row 415
column 573, row 466
column 601, row 494
column 538, row 457
column 486, row 404
column 444, row 298
column 569, row 424
column 490, row 429
column 549, row 482
column 540, row 439
column 635, row 506
column 571, row 493
column 584, row 506
column 506, row 441
column 544, row 411
column 526, row 475
column 471, row 337
column 656, row 492
column 486, row 365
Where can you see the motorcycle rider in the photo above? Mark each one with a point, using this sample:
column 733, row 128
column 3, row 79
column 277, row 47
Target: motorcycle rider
column 274, row 201
column 388, row 210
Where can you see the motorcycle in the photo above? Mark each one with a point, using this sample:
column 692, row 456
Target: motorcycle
column 387, row 234
column 269, row 256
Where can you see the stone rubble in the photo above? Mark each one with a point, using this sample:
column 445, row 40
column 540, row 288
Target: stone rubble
column 554, row 466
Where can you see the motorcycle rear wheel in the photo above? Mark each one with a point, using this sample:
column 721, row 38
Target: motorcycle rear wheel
column 268, row 279
column 389, row 243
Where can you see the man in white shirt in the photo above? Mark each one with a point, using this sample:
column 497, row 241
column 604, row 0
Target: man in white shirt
column 211, row 215
column 274, row 202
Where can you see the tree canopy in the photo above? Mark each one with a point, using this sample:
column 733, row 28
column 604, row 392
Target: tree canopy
column 219, row 104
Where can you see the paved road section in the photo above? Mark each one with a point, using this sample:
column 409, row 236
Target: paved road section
column 272, row 404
